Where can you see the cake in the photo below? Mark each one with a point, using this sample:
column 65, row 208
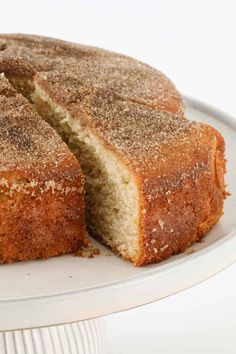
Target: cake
column 41, row 185
column 154, row 181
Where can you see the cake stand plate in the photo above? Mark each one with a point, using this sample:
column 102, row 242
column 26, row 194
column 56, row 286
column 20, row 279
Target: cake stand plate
column 70, row 293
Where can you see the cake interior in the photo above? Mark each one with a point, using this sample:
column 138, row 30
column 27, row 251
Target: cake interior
column 111, row 194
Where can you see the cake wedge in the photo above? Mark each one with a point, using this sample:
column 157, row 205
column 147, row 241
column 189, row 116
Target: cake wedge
column 41, row 185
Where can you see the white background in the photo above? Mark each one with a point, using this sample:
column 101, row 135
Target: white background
column 194, row 43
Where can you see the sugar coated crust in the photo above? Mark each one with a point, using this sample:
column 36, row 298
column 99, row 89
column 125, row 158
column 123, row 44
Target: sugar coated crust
column 137, row 113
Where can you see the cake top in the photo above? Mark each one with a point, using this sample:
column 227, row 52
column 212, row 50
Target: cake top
column 132, row 107
column 141, row 134
column 24, row 55
column 27, row 143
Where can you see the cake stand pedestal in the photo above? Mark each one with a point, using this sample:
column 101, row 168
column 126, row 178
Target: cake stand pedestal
column 85, row 337
column 53, row 306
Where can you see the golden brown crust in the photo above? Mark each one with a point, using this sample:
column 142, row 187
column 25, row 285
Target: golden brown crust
column 41, row 185
column 136, row 111
column 183, row 202
column 40, row 223
column 183, row 199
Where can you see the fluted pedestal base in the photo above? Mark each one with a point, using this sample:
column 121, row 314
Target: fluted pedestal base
column 85, row 337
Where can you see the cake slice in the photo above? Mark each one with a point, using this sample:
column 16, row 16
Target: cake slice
column 41, row 185
column 154, row 181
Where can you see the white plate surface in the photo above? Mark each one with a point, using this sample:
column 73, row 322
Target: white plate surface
column 67, row 289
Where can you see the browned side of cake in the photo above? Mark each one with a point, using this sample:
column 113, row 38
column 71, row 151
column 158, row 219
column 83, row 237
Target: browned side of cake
column 185, row 200
column 41, row 185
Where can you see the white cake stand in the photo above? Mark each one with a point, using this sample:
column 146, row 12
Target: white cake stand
column 53, row 306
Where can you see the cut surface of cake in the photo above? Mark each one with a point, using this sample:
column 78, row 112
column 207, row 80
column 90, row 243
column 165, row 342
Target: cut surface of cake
column 154, row 181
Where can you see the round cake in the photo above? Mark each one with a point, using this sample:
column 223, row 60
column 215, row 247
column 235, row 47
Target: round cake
column 153, row 180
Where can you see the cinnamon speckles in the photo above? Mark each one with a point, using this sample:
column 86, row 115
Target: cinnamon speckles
column 139, row 133
column 95, row 68
column 26, row 141
column 20, row 138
